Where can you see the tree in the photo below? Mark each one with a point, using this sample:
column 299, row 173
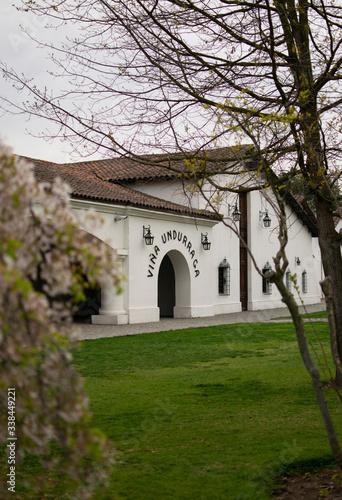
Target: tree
column 45, row 265
column 186, row 75
column 299, row 187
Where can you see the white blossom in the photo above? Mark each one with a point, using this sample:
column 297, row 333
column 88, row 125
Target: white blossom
column 45, row 264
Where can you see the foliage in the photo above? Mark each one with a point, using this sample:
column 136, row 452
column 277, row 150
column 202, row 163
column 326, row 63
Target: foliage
column 45, row 264
column 184, row 75
column 298, row 186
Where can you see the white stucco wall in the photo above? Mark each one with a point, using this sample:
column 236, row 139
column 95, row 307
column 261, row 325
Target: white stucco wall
column 171, row 190
column 180, row 238
column 113, row 232
column 196, row 270
column 264, row 242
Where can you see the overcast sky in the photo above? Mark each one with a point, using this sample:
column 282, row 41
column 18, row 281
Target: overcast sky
column 21, row 53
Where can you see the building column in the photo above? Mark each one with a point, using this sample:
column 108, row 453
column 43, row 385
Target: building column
column 112, row 310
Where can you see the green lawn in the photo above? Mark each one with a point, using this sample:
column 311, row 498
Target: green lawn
column 207, row 413
column 313, row 315
column 318, row 314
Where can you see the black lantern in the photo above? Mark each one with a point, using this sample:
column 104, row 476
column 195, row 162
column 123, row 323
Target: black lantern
column 205, row 242
column 265, row 218
column 297, row 261
column 147, row 235
column 236, row 214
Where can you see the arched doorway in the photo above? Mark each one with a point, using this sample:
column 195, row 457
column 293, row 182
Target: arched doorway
column 174, row 286
column 166, row 288
column 91, row 306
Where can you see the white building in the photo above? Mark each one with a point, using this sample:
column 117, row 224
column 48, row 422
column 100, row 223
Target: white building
column 175, row 275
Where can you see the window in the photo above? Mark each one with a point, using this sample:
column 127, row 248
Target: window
column 304, row 282
column 266, row 284
column 224, row 278
column 288, row 280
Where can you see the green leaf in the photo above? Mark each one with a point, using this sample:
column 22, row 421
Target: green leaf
column 12, row 246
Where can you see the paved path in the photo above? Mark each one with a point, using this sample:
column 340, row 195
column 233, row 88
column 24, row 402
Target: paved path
column 165, row 324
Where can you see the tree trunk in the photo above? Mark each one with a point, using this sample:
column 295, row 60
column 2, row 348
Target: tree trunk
column 327, row 290
column 329, row 242
column 311, row 368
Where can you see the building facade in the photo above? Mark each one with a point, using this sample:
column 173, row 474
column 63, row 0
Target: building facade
column 181, row 259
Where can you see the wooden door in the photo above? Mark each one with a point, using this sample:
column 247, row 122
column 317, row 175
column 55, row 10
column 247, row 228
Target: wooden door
column 243, row 252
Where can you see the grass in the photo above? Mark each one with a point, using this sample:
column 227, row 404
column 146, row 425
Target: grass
column 318, row 314
column 313, row 315
column 207, row 413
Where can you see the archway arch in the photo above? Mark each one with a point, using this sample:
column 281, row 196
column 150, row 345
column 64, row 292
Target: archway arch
column 174, row 286
column 166, row 288
column 92, row 304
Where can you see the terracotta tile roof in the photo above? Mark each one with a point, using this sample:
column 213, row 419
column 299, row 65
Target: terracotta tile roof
column 86, row 183
column 126, row 170
column 108, row 180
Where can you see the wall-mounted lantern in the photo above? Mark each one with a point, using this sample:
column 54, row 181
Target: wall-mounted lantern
column 234, row 212
column 205, row 242
column 119, row 218
column 147, row 235
column 297, row 261
column 265, row 219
